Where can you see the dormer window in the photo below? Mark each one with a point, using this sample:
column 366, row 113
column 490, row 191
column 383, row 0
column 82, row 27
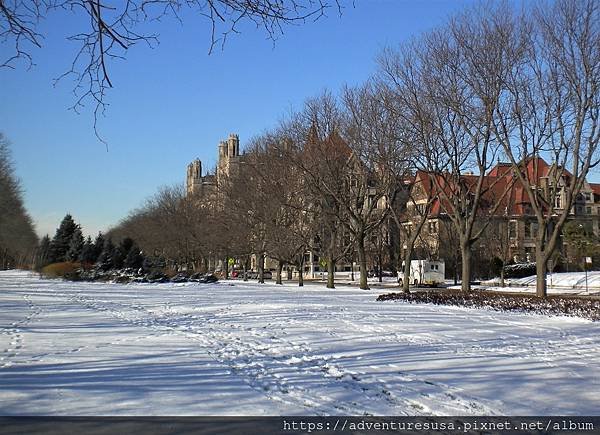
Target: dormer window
column 558, row 201
column 432, row 227
column 512, row 229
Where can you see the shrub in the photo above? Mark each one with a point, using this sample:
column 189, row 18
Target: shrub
column 66, row 269
column 555, row 305
column 519, row 270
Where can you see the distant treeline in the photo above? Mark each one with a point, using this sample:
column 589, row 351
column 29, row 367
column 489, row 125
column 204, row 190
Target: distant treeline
column 17, row 234
column 69, row 246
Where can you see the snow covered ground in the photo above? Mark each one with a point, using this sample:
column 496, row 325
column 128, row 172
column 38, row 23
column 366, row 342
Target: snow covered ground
column 248, row 349
column 558, row 283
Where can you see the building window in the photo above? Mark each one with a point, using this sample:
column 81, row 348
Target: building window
column 512, row 229
column 534, row 228
column 588, row 196
column 432, row 227
column 527, row 230
column 588, row 210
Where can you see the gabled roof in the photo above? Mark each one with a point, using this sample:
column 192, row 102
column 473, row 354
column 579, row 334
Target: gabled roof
column 500, row 179
column 493, row 187
column 333, row 144
column 596, row 189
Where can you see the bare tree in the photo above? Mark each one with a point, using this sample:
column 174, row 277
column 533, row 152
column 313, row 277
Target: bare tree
column 115, row 27
column 550, row 107
column 317, row 151
column 173, row 225
column 447, row 84
column 497, row 242
column 275, row 203
column 383, row 159
column 410, row 217
column 17, row 235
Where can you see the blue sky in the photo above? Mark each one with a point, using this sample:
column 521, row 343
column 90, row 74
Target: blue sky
column 174, row 103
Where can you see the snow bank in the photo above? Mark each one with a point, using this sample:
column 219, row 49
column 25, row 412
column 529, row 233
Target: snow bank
column 566, row 283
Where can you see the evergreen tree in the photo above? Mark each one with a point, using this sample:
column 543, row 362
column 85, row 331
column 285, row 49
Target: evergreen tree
column 121, row 252
column 76, row 245
column 43, row 252
column 88, row 252
column 62, row 240
column 134, row 258
column 106, row 258
column 98, row 246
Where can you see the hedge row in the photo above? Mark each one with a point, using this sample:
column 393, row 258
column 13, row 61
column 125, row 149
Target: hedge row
column 552, row 305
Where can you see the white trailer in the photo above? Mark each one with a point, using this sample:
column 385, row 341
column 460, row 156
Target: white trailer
column 425, row 272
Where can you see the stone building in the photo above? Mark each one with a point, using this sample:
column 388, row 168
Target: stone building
column 514, row 220
column 229, row 161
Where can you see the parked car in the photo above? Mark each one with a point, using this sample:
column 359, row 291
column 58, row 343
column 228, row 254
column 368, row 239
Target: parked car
column 208, row 278
column 267, row 274
column 180, row 277
column 375, row 273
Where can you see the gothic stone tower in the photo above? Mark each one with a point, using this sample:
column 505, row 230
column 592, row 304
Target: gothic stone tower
column 194, row 177
column 228, row 163
column 229, row 156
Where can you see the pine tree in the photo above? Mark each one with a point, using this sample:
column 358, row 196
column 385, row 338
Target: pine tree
column 43, row 252
column 62, row 240
column 121, row 252
column 88, row 252
column 106, row 258
column 98, row 246
column 76, row 245
column 134, row 258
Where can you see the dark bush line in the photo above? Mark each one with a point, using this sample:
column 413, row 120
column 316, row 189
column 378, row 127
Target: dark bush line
column 552, row 305
column 79, row 272
column 125, row 277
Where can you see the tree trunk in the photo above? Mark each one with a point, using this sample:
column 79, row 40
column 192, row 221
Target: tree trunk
column 330, row 273
column 465, row 277
column 502, row 284
column 408, row 251
column 380, row 267
column 362, row 260
column 226, row 267
column 261, row 268
column 301, row 271
column 279, row 268
column 406, row 280
column 541, row 268
column 455, row 267
column 245, row 270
